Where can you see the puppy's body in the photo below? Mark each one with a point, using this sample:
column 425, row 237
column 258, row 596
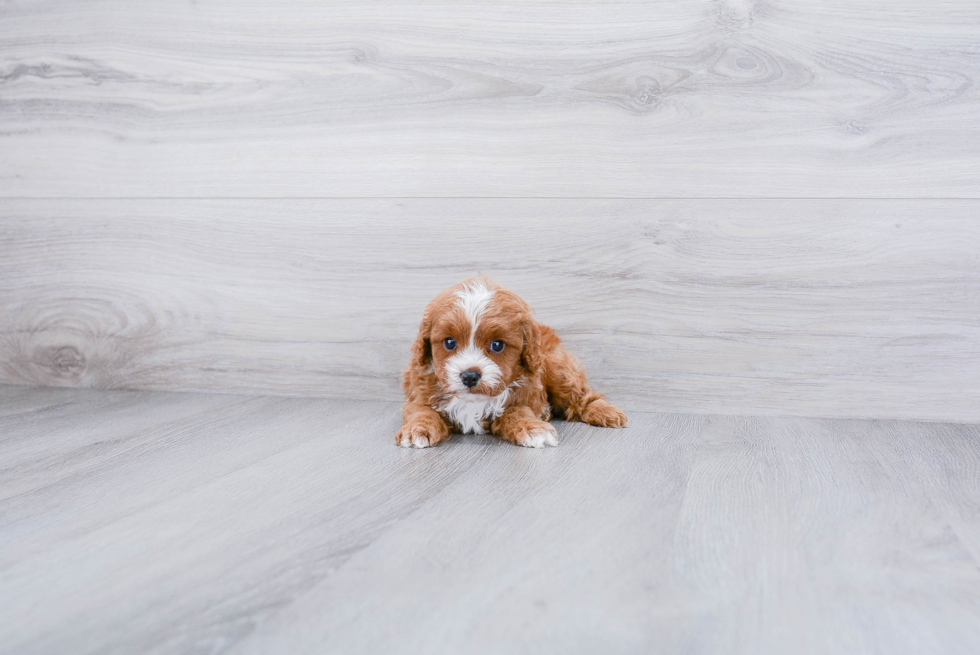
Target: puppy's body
column 481, row 364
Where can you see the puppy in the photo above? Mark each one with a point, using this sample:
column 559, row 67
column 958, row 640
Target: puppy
column 481, row 364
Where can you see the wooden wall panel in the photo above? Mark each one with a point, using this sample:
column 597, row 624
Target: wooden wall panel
column 695, row 98
column 856, row 308
column 722, row 205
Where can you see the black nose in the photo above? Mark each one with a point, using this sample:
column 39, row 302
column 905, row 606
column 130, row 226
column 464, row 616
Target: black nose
column 470, row 378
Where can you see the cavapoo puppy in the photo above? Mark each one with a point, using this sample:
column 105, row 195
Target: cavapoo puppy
column 481, row 364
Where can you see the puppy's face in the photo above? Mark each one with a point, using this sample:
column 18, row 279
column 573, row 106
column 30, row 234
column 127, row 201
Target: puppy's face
column 476, row 339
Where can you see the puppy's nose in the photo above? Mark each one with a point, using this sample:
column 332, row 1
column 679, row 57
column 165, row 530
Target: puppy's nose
column 470, row 378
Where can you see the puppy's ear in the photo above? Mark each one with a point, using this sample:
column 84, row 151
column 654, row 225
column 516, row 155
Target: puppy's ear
column 532, row 356
column 422, row 348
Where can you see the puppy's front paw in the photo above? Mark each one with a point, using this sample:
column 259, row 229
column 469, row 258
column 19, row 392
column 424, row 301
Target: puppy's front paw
column 601, row 413
column 535, row 434
column 421, row 434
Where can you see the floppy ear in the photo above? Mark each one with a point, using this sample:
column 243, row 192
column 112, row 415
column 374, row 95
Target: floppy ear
column 532, row 356
column 422, row 348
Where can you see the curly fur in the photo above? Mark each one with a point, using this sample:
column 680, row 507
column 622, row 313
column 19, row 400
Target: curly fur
column 519, row 389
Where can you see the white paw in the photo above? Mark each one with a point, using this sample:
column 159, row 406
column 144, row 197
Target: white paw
column 540, row 438
column 415, row 440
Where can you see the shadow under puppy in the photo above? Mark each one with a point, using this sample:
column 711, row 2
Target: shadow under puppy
column 481, row 364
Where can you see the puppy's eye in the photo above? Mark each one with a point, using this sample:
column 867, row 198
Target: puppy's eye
column 449, row 343
column 496, row 345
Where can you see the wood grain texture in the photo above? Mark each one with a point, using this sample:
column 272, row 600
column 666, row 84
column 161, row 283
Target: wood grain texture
column 699, row 98
column 820, row 308
column 163, row 523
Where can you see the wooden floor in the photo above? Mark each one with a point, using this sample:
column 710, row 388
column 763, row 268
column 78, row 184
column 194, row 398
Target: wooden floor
column 191, row 523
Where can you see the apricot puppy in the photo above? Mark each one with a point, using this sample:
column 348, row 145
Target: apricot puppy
column 481, row 364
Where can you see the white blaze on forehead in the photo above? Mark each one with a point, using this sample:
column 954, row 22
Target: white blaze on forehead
column 473, row 300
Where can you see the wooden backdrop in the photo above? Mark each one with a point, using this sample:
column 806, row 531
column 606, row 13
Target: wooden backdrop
column 722, row 206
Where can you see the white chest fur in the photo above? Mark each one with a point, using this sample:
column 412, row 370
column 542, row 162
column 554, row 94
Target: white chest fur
column 472, row 414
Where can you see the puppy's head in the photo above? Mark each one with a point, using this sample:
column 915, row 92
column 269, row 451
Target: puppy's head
column 479, row 338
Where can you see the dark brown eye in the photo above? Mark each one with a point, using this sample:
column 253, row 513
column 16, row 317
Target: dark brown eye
column 496, row 345
column 449, row 343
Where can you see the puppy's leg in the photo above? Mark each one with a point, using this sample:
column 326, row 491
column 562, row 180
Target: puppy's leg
column 421, row 427
column 520, row 426
column 568, row 390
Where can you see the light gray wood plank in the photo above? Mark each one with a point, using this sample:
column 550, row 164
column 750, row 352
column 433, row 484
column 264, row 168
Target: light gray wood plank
column 950, row 472
column 26, row 400
column 558, row 551
column 173, row 529
column 817, row 537
column 808, row 307
column 773, row 536
column 165, row 523
column 655, row 99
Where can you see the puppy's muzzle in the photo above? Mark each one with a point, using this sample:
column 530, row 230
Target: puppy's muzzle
column 470, row 378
